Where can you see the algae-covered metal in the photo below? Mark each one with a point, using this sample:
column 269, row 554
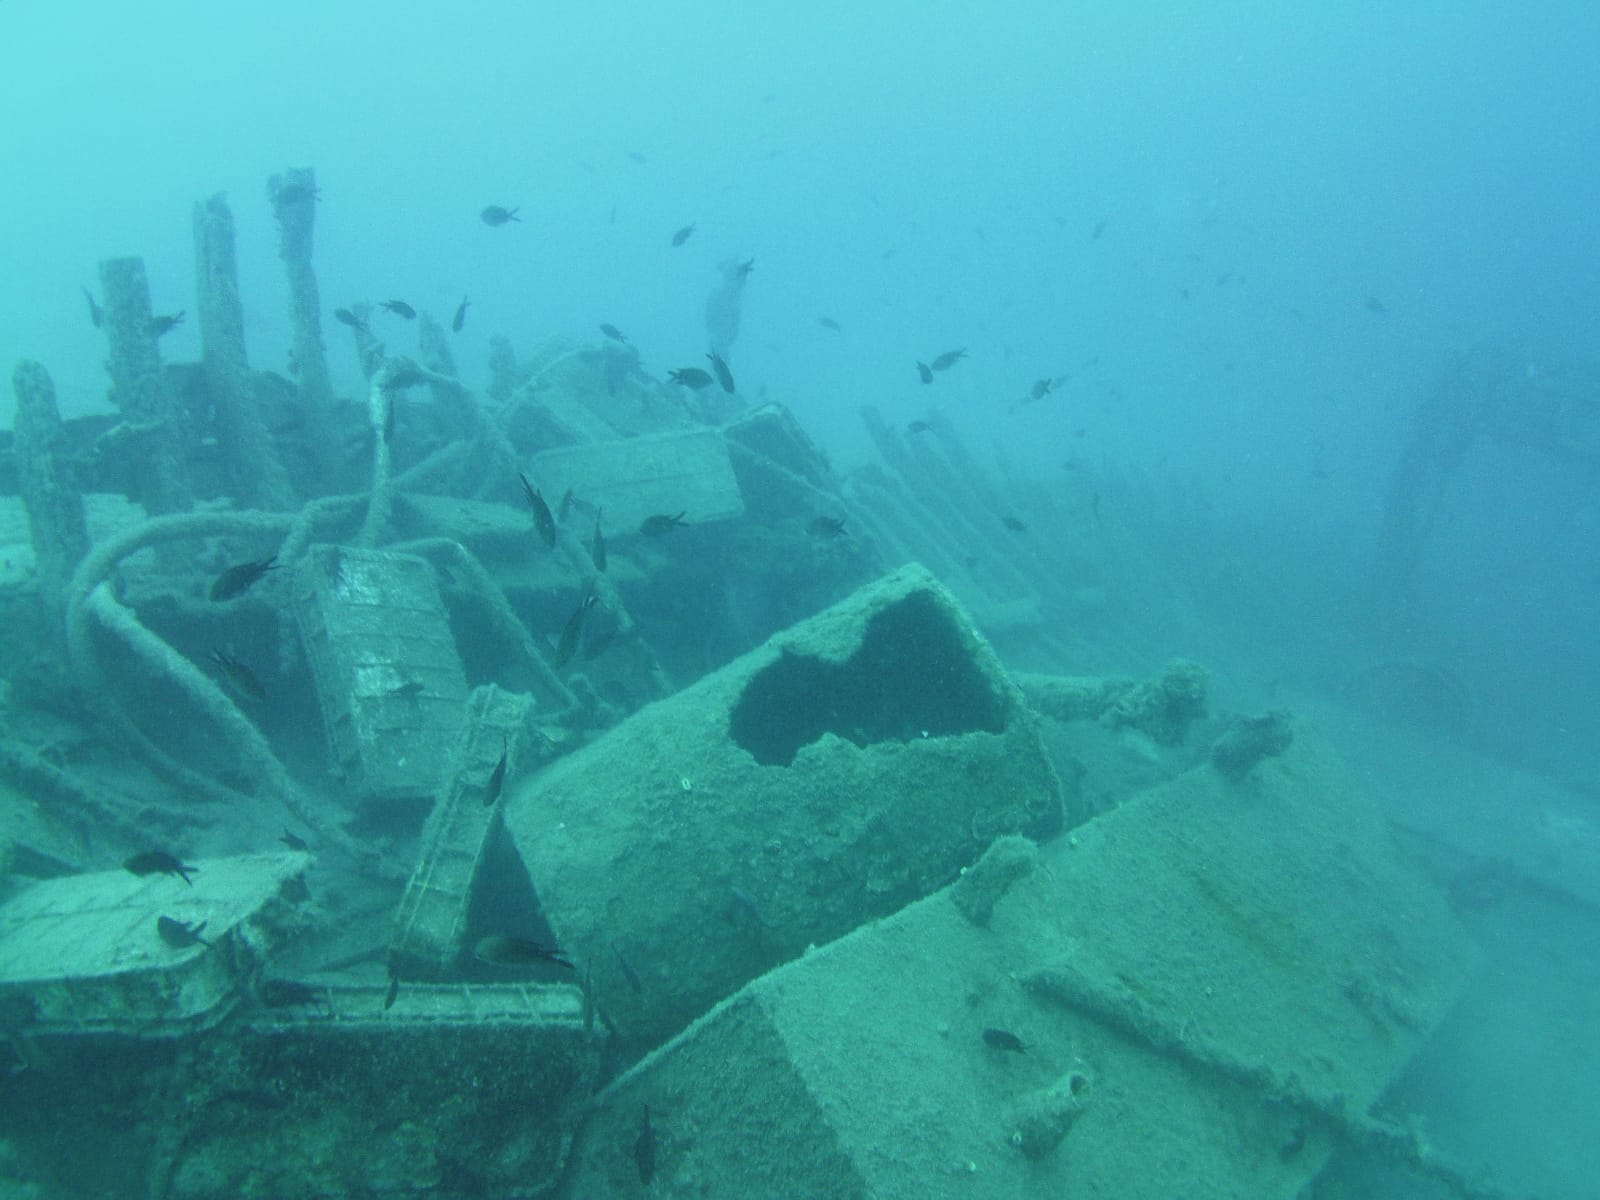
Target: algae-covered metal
column 430, row 924
column 85, row 953
column 1212, row 985
column 850, row 765
column 388, row 676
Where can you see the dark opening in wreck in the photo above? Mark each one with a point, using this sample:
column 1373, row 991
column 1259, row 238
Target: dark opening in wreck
column 911, row 677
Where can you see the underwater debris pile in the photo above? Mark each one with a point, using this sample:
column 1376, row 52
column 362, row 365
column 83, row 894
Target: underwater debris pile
column 599, row 734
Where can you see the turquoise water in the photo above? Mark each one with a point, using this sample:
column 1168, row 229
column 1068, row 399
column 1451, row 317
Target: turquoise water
column 1278, row 328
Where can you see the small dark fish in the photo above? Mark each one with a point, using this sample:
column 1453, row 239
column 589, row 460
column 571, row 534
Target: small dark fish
column 408, row 689
column 1374, row 305
column 1013, row 524
column 644, row 1149
column 96, row 313
column 924, row 373
column 742, row 271
column 948, row 359
column 345, row 317
column 597, row 546
column 178, row 935
column 1040, row 389
column 287, row 993
column 829, row 323
column 542, row 519
column 660, row 524
column 495, row 215
column 568, row 499
column 239, row 677
column 692, row 377
column 615, row 334
column 1099, row 228
column 918, row 426
column 634, row 157
column 163, row 325
column 572, row 633
column 158, row 862
column 497, row 778
column 684, row 234
column 628, row 972
column 399, row 308
column 1004, row 1039
column 829, row 527
column 460, row 319
column 239, row 579
column 501, row 951
column 724, row 376
column 393, row 994
column 295, row 842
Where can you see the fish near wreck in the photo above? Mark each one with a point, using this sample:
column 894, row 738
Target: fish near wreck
column 496, row 215
column 163, row 325
column 498, row 950
column 720, row 367
column 179, row 935
column 948, row 359
column 238, row 677
column 159, row 862
column 542, row 518
column 924, row 372
column 690, row 377
column 497, row 778
column 660, row 524
column 684, row 234
column 1003, row 1039
column 399, row 308
column 597, row 545
column 240, row 578
column 572, row 632
column 458, row 321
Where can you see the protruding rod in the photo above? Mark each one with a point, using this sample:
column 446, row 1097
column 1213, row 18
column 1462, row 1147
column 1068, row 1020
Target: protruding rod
column 150, row 412
column 255, row 475
column 293, row 193
column 55, row 507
